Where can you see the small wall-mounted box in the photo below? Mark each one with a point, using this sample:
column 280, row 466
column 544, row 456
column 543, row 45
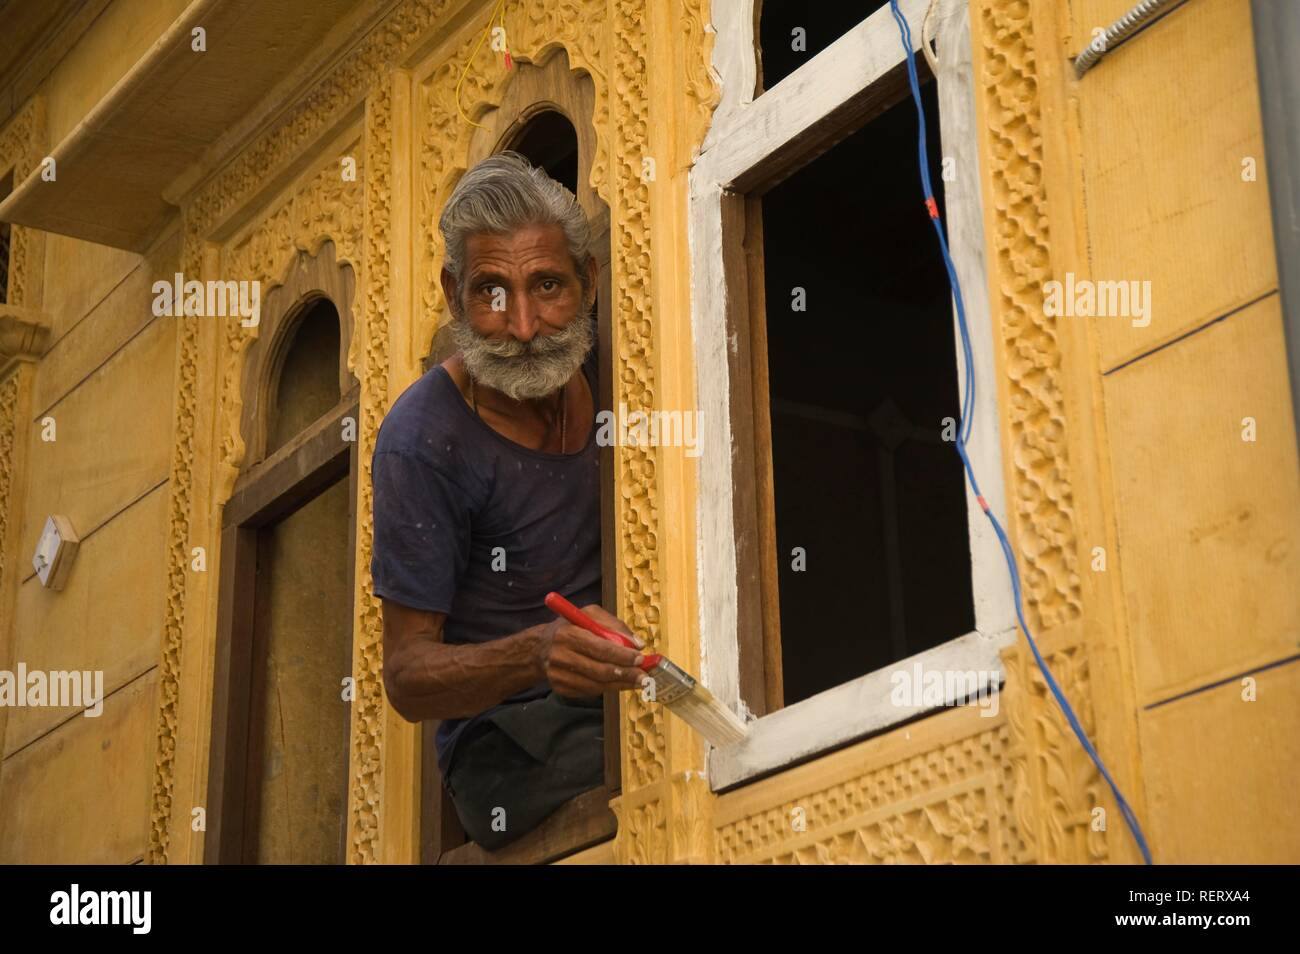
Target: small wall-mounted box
column 54, row 551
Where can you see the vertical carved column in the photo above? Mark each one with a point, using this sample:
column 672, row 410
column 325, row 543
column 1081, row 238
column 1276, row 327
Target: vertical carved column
column 368, row 708
column 642, row 830
column 15, row 408
column 180, row 499
column 661, row 98
column 1055, row 785
column 8, row 428
column 23, row 335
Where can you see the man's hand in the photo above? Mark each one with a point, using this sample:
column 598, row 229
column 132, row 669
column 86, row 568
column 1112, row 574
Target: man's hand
column 579, row 663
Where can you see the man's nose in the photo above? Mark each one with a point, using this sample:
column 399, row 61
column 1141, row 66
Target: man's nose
column 522, row 318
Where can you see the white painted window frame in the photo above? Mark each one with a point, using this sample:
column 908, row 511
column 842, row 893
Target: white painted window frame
column 744, row 134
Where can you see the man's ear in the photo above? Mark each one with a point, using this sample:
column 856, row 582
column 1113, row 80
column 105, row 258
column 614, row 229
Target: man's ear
column 593, row 276
column 449, row 291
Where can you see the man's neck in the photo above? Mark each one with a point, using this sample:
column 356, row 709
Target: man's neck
column 545, row 410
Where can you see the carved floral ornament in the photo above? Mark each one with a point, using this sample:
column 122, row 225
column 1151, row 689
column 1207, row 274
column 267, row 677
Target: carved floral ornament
column 327, row 209
column 24, row 329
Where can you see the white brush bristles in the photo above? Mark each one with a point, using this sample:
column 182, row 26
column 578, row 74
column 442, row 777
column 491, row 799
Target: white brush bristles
column 709, row 717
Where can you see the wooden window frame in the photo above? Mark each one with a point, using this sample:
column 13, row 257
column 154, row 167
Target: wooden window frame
column 270, row 488
column 586, row 820
column 309, row 464
column 754, row 143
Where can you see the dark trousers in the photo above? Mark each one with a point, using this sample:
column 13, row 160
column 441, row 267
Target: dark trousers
column 514, row 767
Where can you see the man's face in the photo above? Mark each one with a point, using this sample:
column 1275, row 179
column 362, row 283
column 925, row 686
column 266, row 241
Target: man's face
column 522, row 324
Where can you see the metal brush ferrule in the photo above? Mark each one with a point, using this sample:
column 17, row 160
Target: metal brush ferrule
column 671, row 683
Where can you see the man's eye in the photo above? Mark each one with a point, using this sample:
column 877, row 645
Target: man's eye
column 550, row 281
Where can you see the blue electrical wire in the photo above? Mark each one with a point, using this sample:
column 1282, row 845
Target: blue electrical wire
column 964, row 431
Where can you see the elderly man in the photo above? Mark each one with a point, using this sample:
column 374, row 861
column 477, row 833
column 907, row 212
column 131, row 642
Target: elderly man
column 486, row 498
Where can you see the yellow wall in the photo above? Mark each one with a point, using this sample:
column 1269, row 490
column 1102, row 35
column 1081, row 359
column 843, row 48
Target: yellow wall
column 1120, row 439
column 106, row 383
column 1207, row 522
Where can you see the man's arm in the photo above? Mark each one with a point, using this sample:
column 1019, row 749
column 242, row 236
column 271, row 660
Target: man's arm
column 426, row 678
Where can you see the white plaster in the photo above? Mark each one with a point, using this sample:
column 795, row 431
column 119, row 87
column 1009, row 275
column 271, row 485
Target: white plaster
column 963, row 208
column 735, row 68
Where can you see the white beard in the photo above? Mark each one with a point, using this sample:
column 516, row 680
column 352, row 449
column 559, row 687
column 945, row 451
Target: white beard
column 525, row 370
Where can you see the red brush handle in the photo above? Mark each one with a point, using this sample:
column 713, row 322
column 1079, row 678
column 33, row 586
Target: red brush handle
column 562, row 607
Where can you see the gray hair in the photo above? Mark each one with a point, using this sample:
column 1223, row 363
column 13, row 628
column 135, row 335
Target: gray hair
column 505, row 192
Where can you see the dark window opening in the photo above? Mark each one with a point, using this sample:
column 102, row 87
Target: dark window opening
column 860, row 383
column 308, row 383
column 550, row 141
column 822, row 24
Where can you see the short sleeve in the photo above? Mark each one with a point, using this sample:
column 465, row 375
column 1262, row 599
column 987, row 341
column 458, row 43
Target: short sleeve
column 422, row 532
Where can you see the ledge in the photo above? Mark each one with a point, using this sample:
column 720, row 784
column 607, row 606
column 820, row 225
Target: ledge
column 161, row 120
column 24, row 335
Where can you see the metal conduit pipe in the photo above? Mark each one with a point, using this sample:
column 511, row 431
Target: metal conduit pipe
column 1125, row 28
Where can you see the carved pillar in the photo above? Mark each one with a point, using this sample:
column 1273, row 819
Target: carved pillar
column 1055, row 511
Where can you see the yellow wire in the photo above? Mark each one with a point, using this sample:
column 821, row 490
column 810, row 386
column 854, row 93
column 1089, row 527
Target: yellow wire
column 500, row 8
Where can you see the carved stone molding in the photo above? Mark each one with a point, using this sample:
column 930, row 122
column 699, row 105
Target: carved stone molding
column 8, row 432
column 22, row 143
column 1057, row 788
column 366, row 761
column 643, row 834
column 325, row 209
column 950, row 805
column 24, row 335
column 1040, row 497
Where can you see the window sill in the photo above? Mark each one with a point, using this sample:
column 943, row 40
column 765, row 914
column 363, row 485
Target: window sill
column 848, row 712
column 583, row 821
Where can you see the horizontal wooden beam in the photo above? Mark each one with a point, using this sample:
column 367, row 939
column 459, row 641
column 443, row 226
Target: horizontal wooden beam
column 295, row 473
column 583, row 821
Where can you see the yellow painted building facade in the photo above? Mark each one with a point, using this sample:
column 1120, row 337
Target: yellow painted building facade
column 1157, row 530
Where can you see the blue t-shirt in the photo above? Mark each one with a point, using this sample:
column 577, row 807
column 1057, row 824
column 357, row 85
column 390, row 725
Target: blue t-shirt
column 471, row 524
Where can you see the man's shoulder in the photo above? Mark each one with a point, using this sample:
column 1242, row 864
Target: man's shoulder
column 424, row 419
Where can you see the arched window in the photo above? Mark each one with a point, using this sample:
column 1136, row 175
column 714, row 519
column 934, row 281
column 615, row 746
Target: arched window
column 280, row 741
column 307, row 382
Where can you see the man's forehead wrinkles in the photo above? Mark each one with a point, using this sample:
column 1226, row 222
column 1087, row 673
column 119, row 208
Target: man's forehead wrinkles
column 515, row 256
column 484, row 272
column 503, row 265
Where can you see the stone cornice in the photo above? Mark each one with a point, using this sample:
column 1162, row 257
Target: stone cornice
column 24, row 335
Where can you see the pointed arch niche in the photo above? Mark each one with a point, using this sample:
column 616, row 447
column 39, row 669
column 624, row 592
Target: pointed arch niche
column 278, row 783
column 546, row 113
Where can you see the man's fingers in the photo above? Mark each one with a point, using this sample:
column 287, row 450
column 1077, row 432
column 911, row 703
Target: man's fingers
column 607, row 619
column 572, row 687
column 605, row 675
column 596, row 647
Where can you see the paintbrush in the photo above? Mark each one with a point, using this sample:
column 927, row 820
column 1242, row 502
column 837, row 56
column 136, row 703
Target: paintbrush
column 673, row 686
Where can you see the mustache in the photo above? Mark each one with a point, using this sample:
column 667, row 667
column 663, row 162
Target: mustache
column 540, row 346
column 526, row 369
